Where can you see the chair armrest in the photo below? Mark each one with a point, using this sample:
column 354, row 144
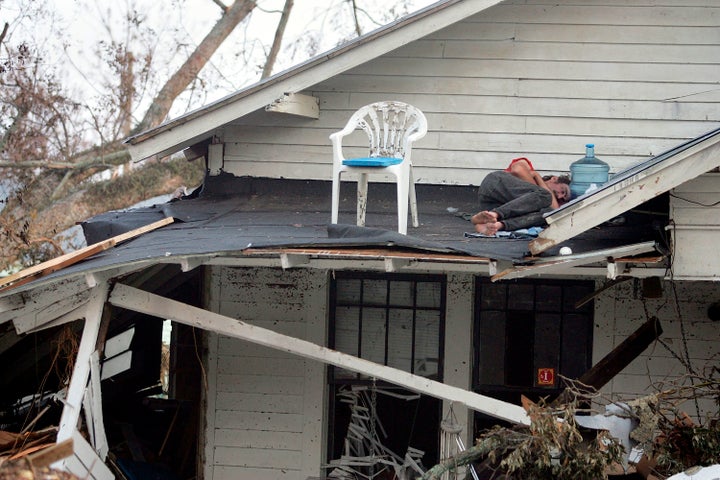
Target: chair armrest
column 336, row 139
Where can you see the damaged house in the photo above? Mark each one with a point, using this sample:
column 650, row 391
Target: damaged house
column 300, row 348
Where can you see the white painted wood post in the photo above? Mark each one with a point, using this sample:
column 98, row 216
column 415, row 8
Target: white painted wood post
column 81, row 370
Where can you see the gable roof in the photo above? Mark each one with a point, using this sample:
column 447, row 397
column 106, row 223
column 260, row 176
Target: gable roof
column 630, row 188
column 190, row 128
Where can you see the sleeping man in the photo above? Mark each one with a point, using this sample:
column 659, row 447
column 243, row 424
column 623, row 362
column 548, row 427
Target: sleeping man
column 517, row 197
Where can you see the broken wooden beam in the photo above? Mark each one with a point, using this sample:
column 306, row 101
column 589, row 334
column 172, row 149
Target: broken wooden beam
column 58, row 263
column 619, row 358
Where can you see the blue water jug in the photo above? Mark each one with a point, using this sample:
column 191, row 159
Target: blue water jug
column 587, row 171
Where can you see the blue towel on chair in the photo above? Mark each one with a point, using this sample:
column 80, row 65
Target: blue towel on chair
column 372, row 162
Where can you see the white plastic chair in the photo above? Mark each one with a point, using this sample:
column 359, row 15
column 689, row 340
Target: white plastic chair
column 391, row 127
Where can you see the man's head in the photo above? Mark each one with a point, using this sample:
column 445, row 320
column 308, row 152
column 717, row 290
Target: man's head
column 560, row 187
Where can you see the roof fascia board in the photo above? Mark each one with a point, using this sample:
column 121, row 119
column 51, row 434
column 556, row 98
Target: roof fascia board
column 34, row 318
column 631, row 192
column 561, row 264
column 185, row 130
column 134, row 299
column 40, row 299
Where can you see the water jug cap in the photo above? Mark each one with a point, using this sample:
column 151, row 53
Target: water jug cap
column 590, row 145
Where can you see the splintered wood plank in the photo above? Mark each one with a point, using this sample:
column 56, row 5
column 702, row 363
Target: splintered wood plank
column 619, row 358
column 46, row 268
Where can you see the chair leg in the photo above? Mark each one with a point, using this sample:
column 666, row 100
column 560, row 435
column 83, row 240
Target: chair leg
column 402, row 203
column 335, row 198
column 362, row 191
column 413, row 201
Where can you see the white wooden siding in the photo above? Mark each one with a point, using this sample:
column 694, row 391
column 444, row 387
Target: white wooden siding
column 682, row 312
column 532, row 78
column 695, row 215
column 268, row 405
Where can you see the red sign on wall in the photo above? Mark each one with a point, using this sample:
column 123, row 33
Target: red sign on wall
column 546, row 376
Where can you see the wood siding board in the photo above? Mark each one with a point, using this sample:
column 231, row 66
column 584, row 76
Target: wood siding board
column 261, row 366
column 232, row 346
column 226, row 437
column 258, row 458
column 629, row 15
column 225, row 472
column 583, row 53
column 683, row 316
column 279, row 422
column 260, row 402
column 545, row 69
column 620, row 35
column 277, row 384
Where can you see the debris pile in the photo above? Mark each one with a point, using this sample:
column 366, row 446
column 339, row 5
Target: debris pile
column 28, row 456
column 664, row 440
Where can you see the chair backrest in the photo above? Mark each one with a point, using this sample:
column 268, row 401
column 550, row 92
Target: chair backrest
column 391, row 127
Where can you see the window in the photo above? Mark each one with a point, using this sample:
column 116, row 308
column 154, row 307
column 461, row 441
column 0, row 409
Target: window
column 392, row 320
column 529, row 332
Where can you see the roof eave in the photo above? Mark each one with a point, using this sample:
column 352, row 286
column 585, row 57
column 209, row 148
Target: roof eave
column 183, row 131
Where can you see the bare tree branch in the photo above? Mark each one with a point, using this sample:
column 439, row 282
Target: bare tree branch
column 277, row 41
column 195, row 62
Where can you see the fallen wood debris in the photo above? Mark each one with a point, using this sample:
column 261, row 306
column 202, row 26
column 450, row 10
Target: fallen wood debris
column 364, row 454
column 34, row 462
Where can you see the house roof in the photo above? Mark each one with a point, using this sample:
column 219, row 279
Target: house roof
column 190, row 128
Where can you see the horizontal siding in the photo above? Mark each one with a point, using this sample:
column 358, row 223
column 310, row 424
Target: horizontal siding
column 695, row 213
column 265, row 414
column 535, row 79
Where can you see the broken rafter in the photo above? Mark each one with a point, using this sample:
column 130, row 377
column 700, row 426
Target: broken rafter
column 145, row 302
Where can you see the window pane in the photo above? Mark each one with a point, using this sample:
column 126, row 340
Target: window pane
column 347, row 321
column 374, row 292
column 520, row 334
column 547, row 345
column 491, row 333
column 348, row 291
column 400, row 339
column 577, row 344
column 520, row 297
column 427, row 342
column 493, row 296
column 402, row 294
column 548, row 298
column 347, row 324
column 373, row 335
column 428, row 294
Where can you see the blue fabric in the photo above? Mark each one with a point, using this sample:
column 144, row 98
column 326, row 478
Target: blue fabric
column 372, row 162
column 521, row 234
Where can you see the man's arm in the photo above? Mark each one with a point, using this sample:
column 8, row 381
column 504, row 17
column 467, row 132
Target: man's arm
column 522, row 170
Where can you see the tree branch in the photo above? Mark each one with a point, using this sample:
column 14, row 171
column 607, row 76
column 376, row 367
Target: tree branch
column 196, row 61
column 277, row 41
